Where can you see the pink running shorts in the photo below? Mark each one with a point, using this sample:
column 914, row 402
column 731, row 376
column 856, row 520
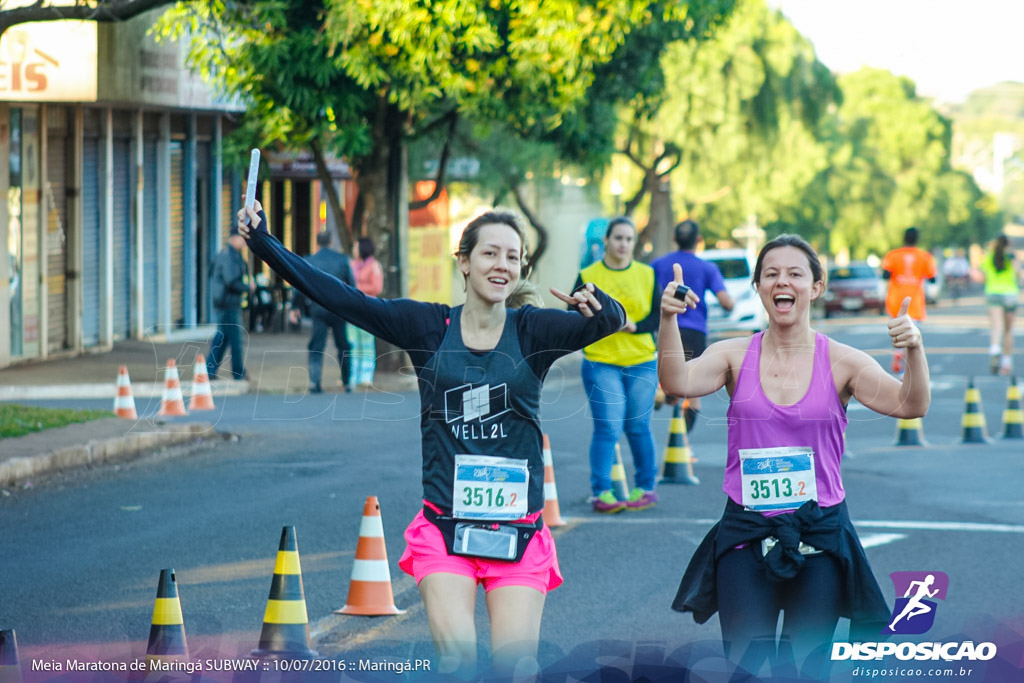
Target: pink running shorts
column 425, row 554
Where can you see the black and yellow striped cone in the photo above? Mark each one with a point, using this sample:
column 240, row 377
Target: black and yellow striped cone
column 909, row 432
column 285, row 624
column 10, row 669
column 619, row 486
column 974, row 420
column 167, row 634
column 1013, row 416
column 678, row 467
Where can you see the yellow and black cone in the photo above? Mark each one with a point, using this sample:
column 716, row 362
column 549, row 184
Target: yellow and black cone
column 909, row 432
column 10, row 669
column 619, row 487
column 167, row 634
column 1013, row 416
column 974, row 420
column 678, row 467
column 285, row 624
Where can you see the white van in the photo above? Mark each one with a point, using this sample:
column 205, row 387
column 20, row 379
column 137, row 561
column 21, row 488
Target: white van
column 748, row 315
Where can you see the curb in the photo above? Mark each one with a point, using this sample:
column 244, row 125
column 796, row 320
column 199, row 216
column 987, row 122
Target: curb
column 108, row 390
column 100, row 451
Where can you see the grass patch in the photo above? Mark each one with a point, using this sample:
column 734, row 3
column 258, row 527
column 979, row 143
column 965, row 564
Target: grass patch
column 18, row 420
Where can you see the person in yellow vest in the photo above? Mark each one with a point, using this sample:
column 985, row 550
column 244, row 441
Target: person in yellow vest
column 620, row 372
column 1002, row 287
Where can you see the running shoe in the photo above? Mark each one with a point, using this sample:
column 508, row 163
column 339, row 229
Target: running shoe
column 690, row 415
column 607, row 503
column 641, row 500
column 993, row 363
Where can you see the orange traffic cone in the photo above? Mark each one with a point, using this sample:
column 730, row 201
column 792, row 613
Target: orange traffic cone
column 167, row 633
column 369, row 591
column 202, row 396
column 10, row 669
column 678, row 465
column 124, row 402
column 552, row 516
column 285, row 631
column 172, row 404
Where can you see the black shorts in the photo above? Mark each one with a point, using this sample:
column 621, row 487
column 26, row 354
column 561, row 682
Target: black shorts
column 694, row 342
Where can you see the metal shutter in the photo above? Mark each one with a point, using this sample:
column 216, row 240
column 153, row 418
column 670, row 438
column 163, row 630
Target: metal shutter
column 56, row 235
column 177, row 232
column 90, row 242
column 150, row 233
column 122, row 229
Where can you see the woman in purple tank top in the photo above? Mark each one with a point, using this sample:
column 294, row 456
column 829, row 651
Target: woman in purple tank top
column 785, row 544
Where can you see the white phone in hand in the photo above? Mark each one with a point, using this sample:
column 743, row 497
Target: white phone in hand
column 250, row 187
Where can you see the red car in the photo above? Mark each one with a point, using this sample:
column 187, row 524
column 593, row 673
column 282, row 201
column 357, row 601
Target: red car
column 854, row 288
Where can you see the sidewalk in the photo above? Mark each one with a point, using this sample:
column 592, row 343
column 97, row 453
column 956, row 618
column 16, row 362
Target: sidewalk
column 275, row 363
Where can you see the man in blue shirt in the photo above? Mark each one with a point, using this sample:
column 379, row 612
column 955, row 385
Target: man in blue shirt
column 701, row 276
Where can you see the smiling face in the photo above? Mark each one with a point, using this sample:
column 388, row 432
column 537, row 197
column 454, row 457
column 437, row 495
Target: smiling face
column 619, row 243
column 492, row 268
column 787, row 285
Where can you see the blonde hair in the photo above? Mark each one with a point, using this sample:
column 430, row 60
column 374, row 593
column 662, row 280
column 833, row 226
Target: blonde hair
column 524, row 293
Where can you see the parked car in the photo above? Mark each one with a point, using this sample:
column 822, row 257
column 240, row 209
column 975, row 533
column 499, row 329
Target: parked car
column 748, row 315
column 854, row 288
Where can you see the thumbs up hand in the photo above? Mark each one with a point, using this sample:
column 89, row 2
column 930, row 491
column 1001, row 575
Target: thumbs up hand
column 902, row 330
column 677, row 298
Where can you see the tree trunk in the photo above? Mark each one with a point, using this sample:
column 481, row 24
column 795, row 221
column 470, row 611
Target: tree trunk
column 657, row 233
column 343, row 234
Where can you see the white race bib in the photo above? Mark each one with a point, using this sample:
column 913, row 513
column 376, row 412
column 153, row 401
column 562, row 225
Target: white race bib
column 777, row 478
column 489, row 487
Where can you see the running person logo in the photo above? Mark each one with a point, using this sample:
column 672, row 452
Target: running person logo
column 914, row 612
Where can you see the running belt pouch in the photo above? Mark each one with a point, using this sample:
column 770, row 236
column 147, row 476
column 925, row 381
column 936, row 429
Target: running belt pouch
column 488, row 540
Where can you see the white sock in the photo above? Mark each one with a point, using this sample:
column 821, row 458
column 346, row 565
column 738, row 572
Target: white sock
column 994, row 350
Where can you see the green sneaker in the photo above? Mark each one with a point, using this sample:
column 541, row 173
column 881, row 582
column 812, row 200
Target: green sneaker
column 641, row 500
column 606, row 502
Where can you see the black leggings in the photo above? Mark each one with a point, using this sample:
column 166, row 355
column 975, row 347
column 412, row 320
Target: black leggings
column 749, row 606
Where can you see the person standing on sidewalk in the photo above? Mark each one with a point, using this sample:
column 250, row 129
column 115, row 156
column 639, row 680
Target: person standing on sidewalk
column 906, row 268
column 1002, row 287
column 703, row 276
column 480, row 369
column 620, row 373
column 369, row 278
column 229, row 281
column 336, row 264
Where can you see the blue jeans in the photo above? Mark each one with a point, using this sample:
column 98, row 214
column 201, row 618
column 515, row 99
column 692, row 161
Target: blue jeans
column 229, row 335
column 621, row 399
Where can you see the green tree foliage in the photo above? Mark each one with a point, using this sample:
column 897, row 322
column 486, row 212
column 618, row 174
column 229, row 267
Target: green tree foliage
column 733, row 105
column 889, row 168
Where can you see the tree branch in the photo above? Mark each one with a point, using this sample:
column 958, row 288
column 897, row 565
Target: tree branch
column 112, row 10
column 453, row 119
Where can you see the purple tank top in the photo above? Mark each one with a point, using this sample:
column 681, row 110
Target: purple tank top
column 817, row 420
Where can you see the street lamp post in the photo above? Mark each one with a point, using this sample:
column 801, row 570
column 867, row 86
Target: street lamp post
column 616, row 190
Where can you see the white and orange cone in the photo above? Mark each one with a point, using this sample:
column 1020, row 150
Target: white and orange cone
column 202, row 395
column 172, row 404
column 369, row 591
column 124, row 402
column 551, row 514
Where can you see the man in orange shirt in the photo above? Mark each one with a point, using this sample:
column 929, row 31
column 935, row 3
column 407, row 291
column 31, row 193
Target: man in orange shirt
column 906, row 269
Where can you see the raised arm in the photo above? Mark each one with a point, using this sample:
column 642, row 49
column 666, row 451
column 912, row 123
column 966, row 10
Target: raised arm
column 402, row 322
column 870, row 384
column 679, row 377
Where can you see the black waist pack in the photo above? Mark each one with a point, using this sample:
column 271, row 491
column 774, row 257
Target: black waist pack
column 489, row 540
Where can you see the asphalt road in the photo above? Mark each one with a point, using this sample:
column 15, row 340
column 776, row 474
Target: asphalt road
column 80, row 553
